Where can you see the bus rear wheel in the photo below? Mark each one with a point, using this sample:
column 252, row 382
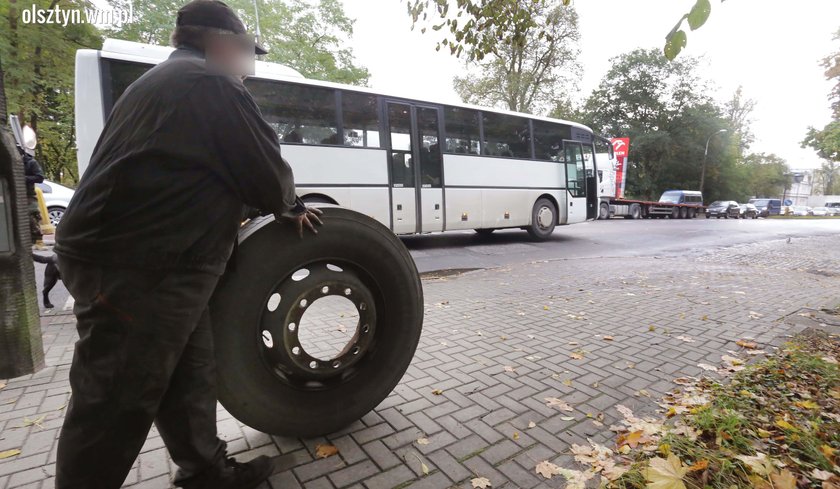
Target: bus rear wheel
column 543, row 219
column 484, row 231
column 275, row 373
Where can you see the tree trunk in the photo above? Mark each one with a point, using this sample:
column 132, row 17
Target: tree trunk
column 21, row 347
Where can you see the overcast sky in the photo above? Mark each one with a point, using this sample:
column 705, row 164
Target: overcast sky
column 771, row 47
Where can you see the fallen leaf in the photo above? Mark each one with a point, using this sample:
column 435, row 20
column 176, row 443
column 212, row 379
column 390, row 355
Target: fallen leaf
column 567, row 418
column 828, row 451
column 531, row 424
column 567, row 382
column 822, row 475
column 577, row 355
column 9, row 453
column 557, row 403
column 547, row 469
column 508, row 368
column 686, row 339
column 342, row 328
column 807, row 404
column 481, row 483
column 324, row 451
column 632, row 439
column 665, row 474
column 437, row 392
column 750, row 345
column 732, row 360
column 760, row 463
column 2, row 386
column 783, row 480
column 830, row 360
column 422, row 441
column 783, row 424
column 608, row 338
column 651, row 328
column 699, row 465
column 515, row 435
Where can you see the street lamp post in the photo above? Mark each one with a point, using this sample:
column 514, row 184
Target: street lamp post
column 705, row 157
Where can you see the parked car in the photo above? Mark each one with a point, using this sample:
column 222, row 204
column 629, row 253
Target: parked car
column 800, row 210
column 767, row 207
column 57, row 198
column 748, row 211
column 833, row 211
column 723, row 208
column 820, row 211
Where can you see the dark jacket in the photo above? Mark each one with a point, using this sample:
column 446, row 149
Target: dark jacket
column 32, row 171
column 181, row 152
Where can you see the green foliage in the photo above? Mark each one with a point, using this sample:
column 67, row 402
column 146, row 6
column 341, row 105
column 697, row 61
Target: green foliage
column 665, row 110
column 531, row 75
column 479, row 28
column 826, row 142
column 832, row 73
column 38, row 65
column 677, row 39
column 308, row 36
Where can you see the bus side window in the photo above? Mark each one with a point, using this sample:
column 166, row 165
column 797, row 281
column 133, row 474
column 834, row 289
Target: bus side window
column 299, row 114
column 461, row 131
column 361, row 120
column 506, row 135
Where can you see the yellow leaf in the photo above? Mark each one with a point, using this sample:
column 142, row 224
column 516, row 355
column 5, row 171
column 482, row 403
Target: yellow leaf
column 665, row 474
column 781, row 423
column 760, row 463
column 481, row 483
column 699, row 465
column 784, row 480
column 424, row 468
column 651, row 328
column 750, row 345
column 324, row 451
column 515, row 435
column 577, row 355
column 437, row 392
column 9, row 453
column 807, row 404
column 422, row 441
column 632, row 439
column 828, row 451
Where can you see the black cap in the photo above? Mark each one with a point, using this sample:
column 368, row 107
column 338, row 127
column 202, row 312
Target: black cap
column 215, row 14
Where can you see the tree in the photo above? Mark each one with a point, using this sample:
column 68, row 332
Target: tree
column 665, row 110
column 478, row 26
column 38, row 62
column 307, row 35
column 738, row 110
column 765, row 175
column 832, row 72
column 532, row 73
column 826, row 143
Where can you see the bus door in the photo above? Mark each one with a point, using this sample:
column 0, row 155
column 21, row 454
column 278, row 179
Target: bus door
column 575, row 182
column 592, row 203
column 416, row 162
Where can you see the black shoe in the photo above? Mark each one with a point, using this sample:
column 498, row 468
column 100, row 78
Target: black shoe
column 235, row 475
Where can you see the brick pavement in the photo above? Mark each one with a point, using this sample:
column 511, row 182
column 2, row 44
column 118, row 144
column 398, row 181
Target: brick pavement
column 530, row 317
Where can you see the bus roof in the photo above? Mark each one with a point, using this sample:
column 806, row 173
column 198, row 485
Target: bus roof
column 153, row 54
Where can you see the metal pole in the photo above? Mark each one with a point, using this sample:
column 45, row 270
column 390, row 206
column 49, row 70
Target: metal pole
column 705, row 157
column 257, row 27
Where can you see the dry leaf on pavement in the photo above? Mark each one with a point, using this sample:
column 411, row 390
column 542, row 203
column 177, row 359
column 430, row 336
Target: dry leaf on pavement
column 531, row 424
column 508, row 368
column 9, row 453
column 547, row 469
column 557, row 403
column 422, row 441
column 324, row 451
column 759, row 463
column 750, row 345
column 481, row 483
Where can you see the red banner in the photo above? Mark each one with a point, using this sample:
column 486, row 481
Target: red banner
column 621, row 146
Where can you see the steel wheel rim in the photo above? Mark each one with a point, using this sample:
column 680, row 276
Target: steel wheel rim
column 545, row 217
column 55, row 216
column 279, row 325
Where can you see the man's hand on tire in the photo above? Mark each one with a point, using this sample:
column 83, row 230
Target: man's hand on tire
column 306, row 219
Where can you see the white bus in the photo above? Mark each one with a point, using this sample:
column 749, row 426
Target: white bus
column 414, row 165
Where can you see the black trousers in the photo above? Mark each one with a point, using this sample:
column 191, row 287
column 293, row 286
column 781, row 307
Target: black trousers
column 144, row 355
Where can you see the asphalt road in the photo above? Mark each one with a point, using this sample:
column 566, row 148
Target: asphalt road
column 612, row 238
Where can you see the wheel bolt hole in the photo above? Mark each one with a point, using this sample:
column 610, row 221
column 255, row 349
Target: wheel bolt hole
column 313, row 364
column 355, row 350
column 268, row 341
column 300, row 274
column 347, row 291
column 366, row 328
column 273, row 302
column 303, row 302
column 334, row 268
column 325, row 290
column 362, row 306
column 336, row 364
column 292, row 327
column 296, row 350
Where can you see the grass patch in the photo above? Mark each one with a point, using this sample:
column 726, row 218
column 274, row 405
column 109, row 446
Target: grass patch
column 774, row 425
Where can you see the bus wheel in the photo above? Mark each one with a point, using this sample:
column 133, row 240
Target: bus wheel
column 543, row 219
column 484, row 231
column 270, row 376
column 604, row 211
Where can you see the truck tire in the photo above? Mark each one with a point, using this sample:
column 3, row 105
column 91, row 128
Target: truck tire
column 683, row 212
column 543, row 219
column 266, row 378
column 604, row 211
column 675, row 213
column 635, row 211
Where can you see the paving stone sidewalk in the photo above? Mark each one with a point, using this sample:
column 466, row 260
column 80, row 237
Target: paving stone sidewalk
column 531, row 318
